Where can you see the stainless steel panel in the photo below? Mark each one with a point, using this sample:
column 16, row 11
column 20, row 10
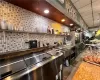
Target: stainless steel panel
column 59, row 65
column 67, row 53
column 36, row 58
column 18, row 76
column 33, row 75
column 36, row 74
column 32, row 60
column 12, row 66
column 49, row 71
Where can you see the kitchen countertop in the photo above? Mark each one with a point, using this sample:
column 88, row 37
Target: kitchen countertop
column 68, row 46
column 67, row 50
column 83, row 70
column 87, row 71
column 13, row 54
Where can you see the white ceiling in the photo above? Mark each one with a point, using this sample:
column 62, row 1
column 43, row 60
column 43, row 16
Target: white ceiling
column 85, row 10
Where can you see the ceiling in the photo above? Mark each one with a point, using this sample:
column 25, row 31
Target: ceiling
column 89, row 12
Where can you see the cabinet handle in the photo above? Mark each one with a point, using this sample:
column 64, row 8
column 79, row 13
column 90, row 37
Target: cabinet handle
column 6, row 74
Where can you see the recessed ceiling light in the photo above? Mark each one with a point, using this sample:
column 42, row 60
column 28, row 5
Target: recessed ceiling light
column 63, row 20
column 37, row 8
column 71, row 24
column 46, row 11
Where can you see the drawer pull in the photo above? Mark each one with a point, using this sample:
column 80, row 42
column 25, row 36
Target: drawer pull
column 6, row 74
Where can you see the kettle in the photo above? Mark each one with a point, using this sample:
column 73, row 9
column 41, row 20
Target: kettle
column 33, row 44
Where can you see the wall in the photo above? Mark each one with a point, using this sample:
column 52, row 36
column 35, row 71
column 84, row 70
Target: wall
column 23, row 20
column 94, row 29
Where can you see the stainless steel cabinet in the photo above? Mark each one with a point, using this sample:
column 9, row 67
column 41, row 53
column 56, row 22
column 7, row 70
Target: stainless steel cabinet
column 59, row 64
column 50, row 71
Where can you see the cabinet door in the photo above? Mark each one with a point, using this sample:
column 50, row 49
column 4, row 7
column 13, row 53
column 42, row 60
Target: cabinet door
column 36, row 74
column 59, row 64
column 50, row 71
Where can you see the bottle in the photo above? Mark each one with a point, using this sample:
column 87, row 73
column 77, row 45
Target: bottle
column 48, row 30
column 52, row 31
column 10, row 27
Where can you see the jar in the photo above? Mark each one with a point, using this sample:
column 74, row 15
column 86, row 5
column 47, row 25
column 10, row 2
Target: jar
column 3, row 24
column 10, row 27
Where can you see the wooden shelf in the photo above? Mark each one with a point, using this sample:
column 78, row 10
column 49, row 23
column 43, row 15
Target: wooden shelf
column 13, row 31
column 19, row 53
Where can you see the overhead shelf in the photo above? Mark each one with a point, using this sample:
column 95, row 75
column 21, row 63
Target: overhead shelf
column 15, row 31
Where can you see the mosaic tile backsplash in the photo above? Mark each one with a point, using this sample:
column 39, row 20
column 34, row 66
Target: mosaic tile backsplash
column 23, row 20
column 16, row 41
